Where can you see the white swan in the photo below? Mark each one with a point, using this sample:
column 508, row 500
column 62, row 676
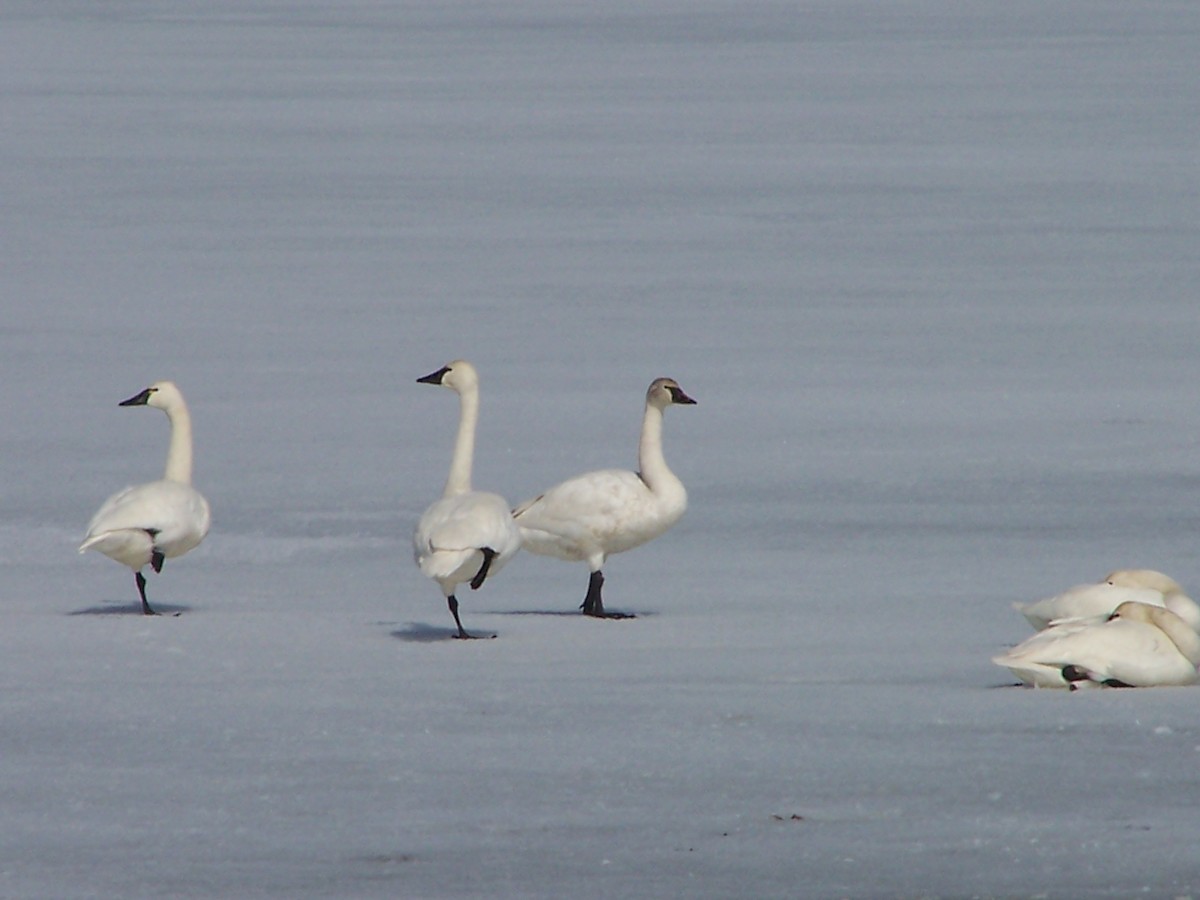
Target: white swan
column 1139, row 645
column 151, row 522
column 591, row 516
column 1087, row 601
column 466, row 535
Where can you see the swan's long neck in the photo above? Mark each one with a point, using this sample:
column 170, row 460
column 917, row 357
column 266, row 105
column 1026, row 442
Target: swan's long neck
column 1184, row 607
column 1182, row 637
column 459, row 480
column 179, row 453
column 652, row 464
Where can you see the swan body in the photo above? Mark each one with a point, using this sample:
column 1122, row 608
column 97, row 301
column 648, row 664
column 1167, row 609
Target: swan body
column 591, row 516
column 149, row 523
column 466, row 535
column 1086, row 601
column 1138, row 645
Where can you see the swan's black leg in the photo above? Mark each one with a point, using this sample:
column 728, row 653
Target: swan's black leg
column 593, row 605
column 488, row 555
column 452, row 602
column 141, row 586
column 156, row 559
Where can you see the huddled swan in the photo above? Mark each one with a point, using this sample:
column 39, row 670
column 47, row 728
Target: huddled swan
column 591, row 516
column 1138, row 645
column 150, row 523
column 466, row 535
column 1091, row 600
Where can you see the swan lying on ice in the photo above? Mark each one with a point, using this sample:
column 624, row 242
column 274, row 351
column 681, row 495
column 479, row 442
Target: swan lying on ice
column 591, row 516
column 153, row 522
column 1138, row 645
column 1087, row 601
column 466, row 535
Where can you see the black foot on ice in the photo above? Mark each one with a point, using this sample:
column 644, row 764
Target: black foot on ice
column 608, row 614
column 462, row 635
column 593, row 604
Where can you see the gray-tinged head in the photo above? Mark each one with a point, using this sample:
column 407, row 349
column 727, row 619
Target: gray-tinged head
column 664, row 392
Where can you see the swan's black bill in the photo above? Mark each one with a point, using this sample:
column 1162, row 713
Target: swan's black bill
column 678, row 396
column 139, row 400
column 434, row 377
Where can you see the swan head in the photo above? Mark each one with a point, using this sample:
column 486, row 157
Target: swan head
column 1133, row 611
column 161, row 395
column 1144, row 578
column 664, row 392
column 459, row 376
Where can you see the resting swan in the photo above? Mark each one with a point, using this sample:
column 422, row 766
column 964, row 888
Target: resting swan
column 1139, row 645
column 1091, row 600
column 591, row 516
column 150, row 523
column 466, row 535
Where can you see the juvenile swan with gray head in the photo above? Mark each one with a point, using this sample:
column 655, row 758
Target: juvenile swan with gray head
column 591, row 516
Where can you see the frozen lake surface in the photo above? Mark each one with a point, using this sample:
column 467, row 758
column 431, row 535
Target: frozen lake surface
column 930, row 270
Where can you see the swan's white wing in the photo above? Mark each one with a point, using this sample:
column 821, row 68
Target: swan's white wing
column 1033, row 661
column 451, row 533
column 1147, row 657
column 1134, row 653
column 175, row 514
column 606, row 511
column 1084, row 601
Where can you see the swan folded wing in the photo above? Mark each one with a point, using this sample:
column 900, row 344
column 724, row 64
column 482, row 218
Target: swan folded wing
column 131, row 547
column 1133, row 653
column 1151, row 658
column 455, row 529
column 588, row 508
column 175, row 514
column 1083, row 601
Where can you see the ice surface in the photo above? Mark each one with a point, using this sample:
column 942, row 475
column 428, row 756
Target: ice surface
column 930, row 269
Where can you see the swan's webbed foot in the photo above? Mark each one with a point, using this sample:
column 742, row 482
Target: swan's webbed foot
column 462, row 635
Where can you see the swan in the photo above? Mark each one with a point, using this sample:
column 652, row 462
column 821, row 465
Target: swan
column 149, row 523
column 590, row 516
column 1086, row 601
column 1139, row 645
column 466, row 535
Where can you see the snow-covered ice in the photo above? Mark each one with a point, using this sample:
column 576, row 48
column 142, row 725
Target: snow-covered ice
column 930, row 270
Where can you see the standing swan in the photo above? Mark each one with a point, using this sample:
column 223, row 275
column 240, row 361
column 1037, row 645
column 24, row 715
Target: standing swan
column 466, row 535
column 598, row 513
column 152, row 522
